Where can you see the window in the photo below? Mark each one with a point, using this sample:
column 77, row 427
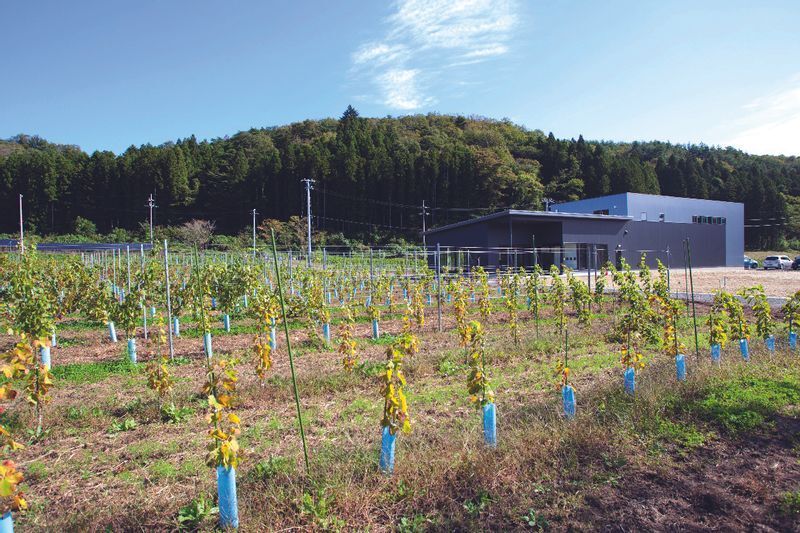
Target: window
column 700, row 219
column 661, row 217
column 643, row 215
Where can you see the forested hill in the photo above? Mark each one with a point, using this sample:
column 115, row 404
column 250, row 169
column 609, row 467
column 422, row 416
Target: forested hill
column 371, row 176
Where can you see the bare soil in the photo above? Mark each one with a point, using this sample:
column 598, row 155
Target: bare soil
column 732, row 484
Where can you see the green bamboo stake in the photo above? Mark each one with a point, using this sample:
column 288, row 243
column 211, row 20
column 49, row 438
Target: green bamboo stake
column 675, row 327
column 694, row 310
column 536, row 311
column 289, row 349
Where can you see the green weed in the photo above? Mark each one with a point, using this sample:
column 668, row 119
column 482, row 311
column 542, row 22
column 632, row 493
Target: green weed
column 129, row 424
column 265, row 470
column 93, row 372
column 175, row 415
column 475, row 506
column 190, row 516
column 535, row 521
column 745, row 403
column 790, row 502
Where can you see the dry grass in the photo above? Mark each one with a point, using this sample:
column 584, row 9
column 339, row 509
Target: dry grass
column 82, row 477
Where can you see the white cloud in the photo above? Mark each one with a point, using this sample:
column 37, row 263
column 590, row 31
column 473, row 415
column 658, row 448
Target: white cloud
column 489, row 51
column 424, row 36
column 453, row 24
column 378, row 53
column 400, row 90
column 770, row 124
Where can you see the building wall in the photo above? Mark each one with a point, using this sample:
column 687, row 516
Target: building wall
column 707, row 243
column 653, row 238
column 520, row 233
column 681, row 210
column 466, row 236
column 491, row 238
column 676, row 210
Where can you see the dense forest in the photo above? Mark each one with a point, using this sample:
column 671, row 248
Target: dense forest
column 371, row 176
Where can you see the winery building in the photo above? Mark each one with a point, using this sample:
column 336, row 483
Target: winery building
column 587, row 233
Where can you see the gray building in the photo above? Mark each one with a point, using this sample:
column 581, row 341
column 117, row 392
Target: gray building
column 589, row 232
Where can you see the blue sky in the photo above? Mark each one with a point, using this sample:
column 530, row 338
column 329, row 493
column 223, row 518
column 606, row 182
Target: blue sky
column 105, row 75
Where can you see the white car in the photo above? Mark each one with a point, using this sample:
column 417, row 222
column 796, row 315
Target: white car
column 778, row 262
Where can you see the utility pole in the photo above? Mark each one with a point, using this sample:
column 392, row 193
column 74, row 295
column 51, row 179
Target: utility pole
column 151, row 204
column 424, row 214
column 254, row 234
column 308, row 182
column 21, row 240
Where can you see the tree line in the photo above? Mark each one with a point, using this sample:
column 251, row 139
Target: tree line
column 371, row 176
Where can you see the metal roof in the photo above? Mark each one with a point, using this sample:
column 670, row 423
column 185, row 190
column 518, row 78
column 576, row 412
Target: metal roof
column 664, row 197
column 544, row 215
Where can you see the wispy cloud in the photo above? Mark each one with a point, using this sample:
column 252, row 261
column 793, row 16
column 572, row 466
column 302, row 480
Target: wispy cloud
column 424, row 36
column 378, row 53
column 400, row 89
column 770, row 124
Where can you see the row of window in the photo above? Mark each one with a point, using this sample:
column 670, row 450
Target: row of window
column 699, row 219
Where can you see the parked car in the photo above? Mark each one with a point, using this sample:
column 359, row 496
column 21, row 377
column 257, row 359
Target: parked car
column 750, row 263
column 778, row 262
column 796, row 263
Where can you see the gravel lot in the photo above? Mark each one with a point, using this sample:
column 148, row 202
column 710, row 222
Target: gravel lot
column 777, row 283
column 781, row 283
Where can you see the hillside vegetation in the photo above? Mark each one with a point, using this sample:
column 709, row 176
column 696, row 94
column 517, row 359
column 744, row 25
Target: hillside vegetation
column 372, row 175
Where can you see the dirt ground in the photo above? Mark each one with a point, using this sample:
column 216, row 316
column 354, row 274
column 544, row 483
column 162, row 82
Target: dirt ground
column 730, row 485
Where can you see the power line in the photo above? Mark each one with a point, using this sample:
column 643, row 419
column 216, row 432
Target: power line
column 369, row 224
column 409, row 206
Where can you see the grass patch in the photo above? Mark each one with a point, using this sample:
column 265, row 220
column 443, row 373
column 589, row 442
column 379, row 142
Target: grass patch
column 269, row 468
column 79, row 325
column 82, row 413
column 371, row 368
column 66, row 342
column 36, row 470
column 191, row 467
column 94, row 372
column 384, row 339
column 747, row 402
column 790, row 503
column 151, row 449
column 162, row 469
column 687, row 436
